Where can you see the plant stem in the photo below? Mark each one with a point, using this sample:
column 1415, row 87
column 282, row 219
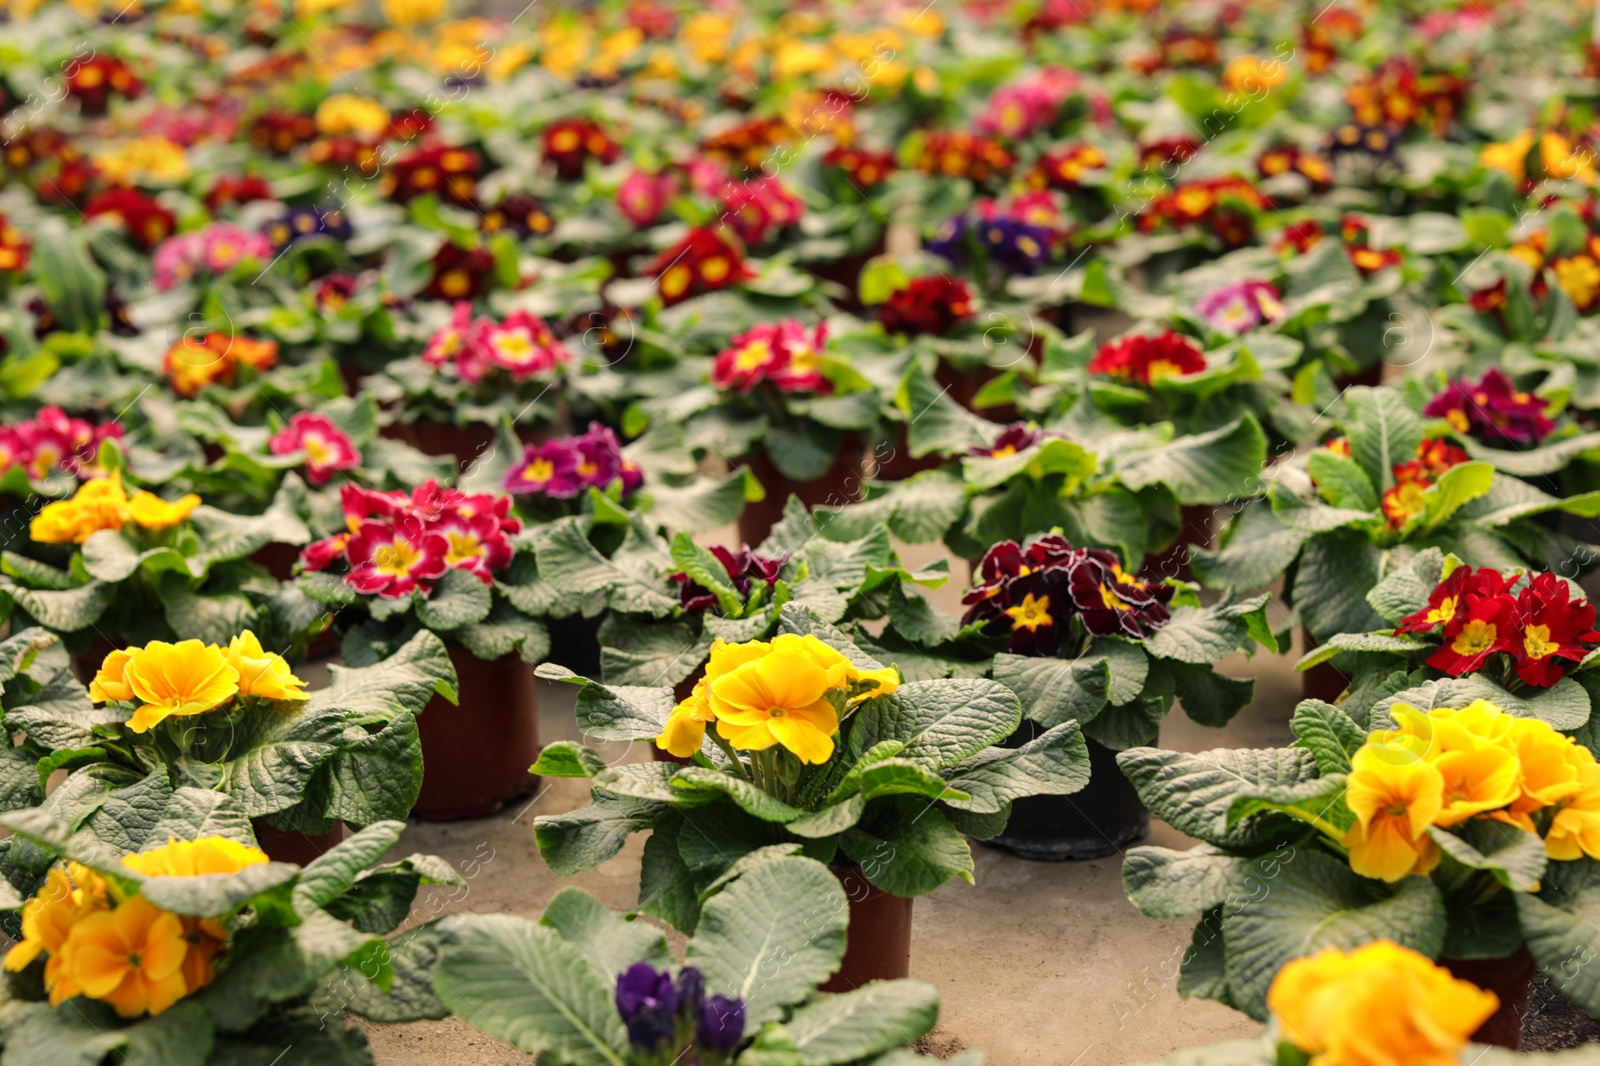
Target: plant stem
column 733, row 756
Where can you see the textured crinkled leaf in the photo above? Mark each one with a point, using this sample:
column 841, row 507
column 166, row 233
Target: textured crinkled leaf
column 580, row 839
column 1193, row 793
column 1330, row 735
column 611, row 944
column 907, row 848
column 1164, row 883
column 1515, row 856
column 940, row 722
column 1255, row 552
column 1055, row 763
column 405, row 681
column 1052, row 690
column 877, row 1016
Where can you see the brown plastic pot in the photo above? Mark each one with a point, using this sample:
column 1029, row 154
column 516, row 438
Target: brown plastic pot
column 291, row 845
column 896, row 463
column 475, row 756
column 1510, row 977
column 1096, row 821
column 1324, row 681
column 840, row 484
column 465, row 443
column 878, row 947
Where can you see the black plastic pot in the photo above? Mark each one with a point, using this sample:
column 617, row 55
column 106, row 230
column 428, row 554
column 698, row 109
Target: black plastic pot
column 1100, row 820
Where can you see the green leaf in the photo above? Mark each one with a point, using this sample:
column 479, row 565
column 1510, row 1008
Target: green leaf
column 940, row 722
column 1254, row 552
column 611, row 944
column 752, row 799
column 749, row 945
column 376, row 777
column 1456, row 488
column 1341, row 481
column 830, row 820
column 564, row 758
column 1204, row 635
column 1194, row 793
column 1164, row 883
column 273, row 755
column 1515, row 856
column 1330, row 735
column 1405, row 589
column 458, row 599
column 584, row 838
column 64, row 610
column 1055, row 763
column 90, row 1033
column 874, row 1018
column 1052, row 690
column 210, row 895
column 522, row 983
column 907, row 848
column 1331, row 582
column 1312, row 901
column 1210, row 698
column 335, row 870
column 405, row 681
column 73, row 285
column 1383, row 431
column 1213, row 467
column 411, row 997
column 1382, row 642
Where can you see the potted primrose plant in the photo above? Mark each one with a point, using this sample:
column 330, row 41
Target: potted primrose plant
column 1135, row 494
column 1079, row 639
column 448, row 562
column 1356, row 508
column 792, row 410
column 1466, row 833
column 804, row 743
column 173, row 932
column 1342, row 1007
column 1521, row 640
column 139, row 567
column 585, row 985
column 234, row 720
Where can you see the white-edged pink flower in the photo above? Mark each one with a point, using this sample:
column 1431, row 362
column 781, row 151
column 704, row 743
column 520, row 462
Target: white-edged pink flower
column 327, row 447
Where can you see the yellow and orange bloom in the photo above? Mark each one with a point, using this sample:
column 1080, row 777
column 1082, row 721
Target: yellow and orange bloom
column 1395, row 796
column 1378, row 1005
column 131, row 957
column 263, row 673
column 177, row 680
column 152, row 512
column 71, row 892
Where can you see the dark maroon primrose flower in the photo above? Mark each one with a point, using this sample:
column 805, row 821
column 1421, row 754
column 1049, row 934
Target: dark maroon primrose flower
column 744, row 569
column 1492, row 409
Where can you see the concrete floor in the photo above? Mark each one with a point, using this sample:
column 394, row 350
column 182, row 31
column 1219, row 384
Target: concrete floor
column 1035, row 963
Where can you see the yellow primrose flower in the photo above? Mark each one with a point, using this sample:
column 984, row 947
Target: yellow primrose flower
column 347, row 113
column 152, row 512
column 1560, row 160
column 926, row 22
column 1252, row 75
column 795, row 58
column 144, row 159
column 1575, row 830
column 707, row 36
column 1509, row 156
column 130, row 957
column 70, row 892
column 508, row 60
column 176, row 680
column 305, row 9
column 686, row 725
column 263, row 673
column 195, row 858
column 780, row 698
column 1395, row 797
column 415, row 12
column 98, row 504
column 110, row 684
column 1378, row 1005
column 1551, row 765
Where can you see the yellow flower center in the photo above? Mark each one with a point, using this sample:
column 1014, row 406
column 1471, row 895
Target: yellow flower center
column 463, row 547
column 1444, row 612
column 1112, row 600
column 395, row 558
column 1475, row 638
column 1536, row 639
column 754, row 355
column 715, row 269
column 539, row 471
column 1031, row 613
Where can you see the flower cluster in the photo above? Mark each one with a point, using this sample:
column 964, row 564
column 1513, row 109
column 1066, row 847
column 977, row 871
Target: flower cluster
column 1476, row 615
column 642, row 197
column 14, row 247
column 565, row 468
column 1444, row 767
column 1240, row 306
column 1023, row 108
column 399, row 543
column 957, row 154
column 663, row 1015
column 103, row 504
column 746, row 572
column 932, row 304
column 1292, row 159
column 120, row 948
column 1032, row 594
column 189, row 677
column 1065, row 168
column 707, row 259
column 217, row 249
column 1404, row 500
column 864, row 168
column 448, row 173
column 521, row 344
column 52, row 441
column 1224, row 207
column 1018, row 236
column 138, row 214
column 571, row 142
column 782, row 354
column 93, row 81
column 1492, row 409
column 790, row 691
column 299, row 223
column 1017, row 437
column 214, row 358
column 1143, row 359
column 1378, row 1003
column 1400, row 94
column 327, row 448
column 757, row 208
